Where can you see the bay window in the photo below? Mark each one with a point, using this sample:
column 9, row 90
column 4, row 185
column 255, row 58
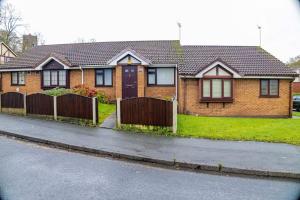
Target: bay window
column 163, row 76
column 217, row 85
column 104, row 77
column 18, row 78
column 54, row 78
column 269, row 88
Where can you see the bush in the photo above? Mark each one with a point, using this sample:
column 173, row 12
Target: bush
column 57, row 91
column 84, row 91
column 102, row 98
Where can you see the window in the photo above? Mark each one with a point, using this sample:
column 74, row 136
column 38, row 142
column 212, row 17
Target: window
column 217, row 85
column 54, row 78
column 18, row 78
column 161, row 76
column 269, row 88
column 104, row 77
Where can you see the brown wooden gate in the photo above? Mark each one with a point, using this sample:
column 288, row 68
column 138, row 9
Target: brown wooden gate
column 146, row 111
column 39, row 104
column 12, row 100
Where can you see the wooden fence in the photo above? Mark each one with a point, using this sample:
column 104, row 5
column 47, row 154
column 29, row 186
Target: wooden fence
column 39, row 104
column 68, row 105
column 12, row 100
column 147, row 111
column 72, row 105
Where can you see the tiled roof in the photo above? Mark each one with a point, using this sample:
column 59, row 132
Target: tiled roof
column 246, row 60
column 98, row 53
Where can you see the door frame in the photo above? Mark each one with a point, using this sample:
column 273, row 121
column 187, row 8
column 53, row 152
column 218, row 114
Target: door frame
column 136, row 74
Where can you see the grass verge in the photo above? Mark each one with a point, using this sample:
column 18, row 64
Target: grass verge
column 252, row 129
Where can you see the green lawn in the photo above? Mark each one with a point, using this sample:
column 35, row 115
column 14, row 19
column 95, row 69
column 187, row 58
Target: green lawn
column 296, row 114
column 105, row 110
column 225, row 128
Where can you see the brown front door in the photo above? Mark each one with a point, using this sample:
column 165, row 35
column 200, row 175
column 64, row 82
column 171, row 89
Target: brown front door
column 129, row 81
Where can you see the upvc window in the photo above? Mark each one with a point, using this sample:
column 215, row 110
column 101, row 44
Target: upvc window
column 269, row 88
column 163, row 76
column 54, row 78
column 18, row 78
column 104, row 77
column 217, row 85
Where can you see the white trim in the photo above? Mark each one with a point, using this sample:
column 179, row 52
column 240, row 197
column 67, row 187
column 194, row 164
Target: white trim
column 114, row 61
column 249, row 77
column 267, row 77
column 9, row 48
column 163, row 65
column 95, row 66
column 17, row 70
column 214, row 64
column 40, row 66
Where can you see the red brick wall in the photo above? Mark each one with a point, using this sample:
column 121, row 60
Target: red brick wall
column 246, row 100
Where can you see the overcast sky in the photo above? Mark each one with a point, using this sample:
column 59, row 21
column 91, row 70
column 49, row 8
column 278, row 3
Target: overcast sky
column 204, row 22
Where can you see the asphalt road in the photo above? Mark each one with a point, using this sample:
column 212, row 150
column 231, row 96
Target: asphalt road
column 30, row 172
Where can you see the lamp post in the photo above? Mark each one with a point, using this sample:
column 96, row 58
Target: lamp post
column 259, row 29
column 179, row 27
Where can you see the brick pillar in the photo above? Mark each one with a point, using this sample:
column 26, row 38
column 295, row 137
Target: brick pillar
column 141, row 81
column 118, row 81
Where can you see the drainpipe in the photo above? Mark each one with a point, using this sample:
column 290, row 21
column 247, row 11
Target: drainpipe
column 290, row 100
column 80, row 67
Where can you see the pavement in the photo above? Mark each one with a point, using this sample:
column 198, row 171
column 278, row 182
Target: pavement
column 251, row 158
column 110, row 121
column 34, row 172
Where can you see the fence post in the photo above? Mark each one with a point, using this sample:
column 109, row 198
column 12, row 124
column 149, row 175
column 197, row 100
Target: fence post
column 0, row 102
column 55, row 107
column 118, row 112
column 94, row 110
column 25, row 106
column 174, row 127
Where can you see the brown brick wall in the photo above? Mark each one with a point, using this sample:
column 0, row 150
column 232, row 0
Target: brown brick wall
column 161, row 92
column 32, row 83
column 89, row 80
column 246, row 100
column 296, row 87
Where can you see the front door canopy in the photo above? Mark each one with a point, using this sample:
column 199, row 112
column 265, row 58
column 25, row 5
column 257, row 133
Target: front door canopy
column 128, row 57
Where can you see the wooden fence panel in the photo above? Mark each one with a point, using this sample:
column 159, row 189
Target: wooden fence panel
column 40, row 104
column 146, row 111
column 12, row 100
column 72, row 105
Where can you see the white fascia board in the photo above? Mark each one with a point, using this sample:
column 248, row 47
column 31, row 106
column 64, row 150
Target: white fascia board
column 163, row 65
column 200, row 74
column 96, row 66
column 17, row 70
column 115, row 60
column 268, row 77
column 40, row 66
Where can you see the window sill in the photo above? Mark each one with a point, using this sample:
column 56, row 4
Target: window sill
column 160, row 85
column 106, row 86
column 223, row 100
column 262, row 96
column 17, row 85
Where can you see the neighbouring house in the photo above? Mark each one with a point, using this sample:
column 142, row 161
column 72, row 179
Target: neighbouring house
column 206, row 80
column 296, row 83
column 6, row 53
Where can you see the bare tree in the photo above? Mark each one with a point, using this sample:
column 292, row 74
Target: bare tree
column 11, row 23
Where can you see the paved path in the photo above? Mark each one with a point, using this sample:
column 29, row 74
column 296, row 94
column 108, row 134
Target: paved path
column 242, row 155
column 31, row 172
column 110, row 122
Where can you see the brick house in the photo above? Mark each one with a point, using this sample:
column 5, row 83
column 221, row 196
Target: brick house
column 206, row 80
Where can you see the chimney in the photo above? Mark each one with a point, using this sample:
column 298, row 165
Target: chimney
column 29, row 41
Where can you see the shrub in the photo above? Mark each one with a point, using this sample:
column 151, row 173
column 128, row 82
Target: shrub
column 57, row 91
column 102, row 98
column 84, row 91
